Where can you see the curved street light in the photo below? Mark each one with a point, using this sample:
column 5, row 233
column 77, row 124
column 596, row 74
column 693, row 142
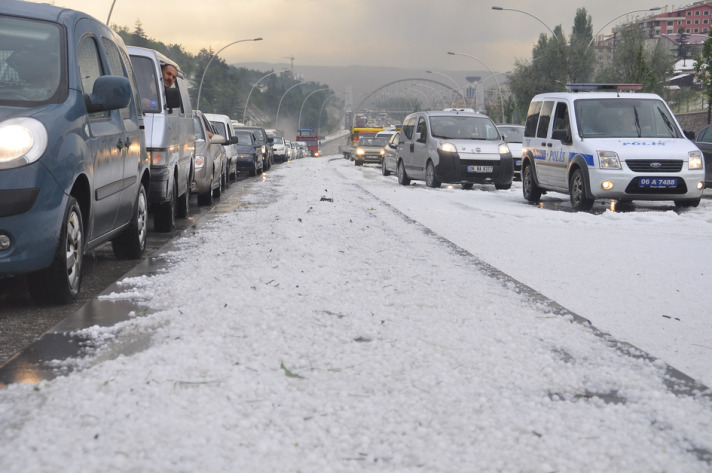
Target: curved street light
column 299, row 121
column 318, row 126
column 459, row 89
column 200, row 87
column 110, row 11
column 276, row 118
column 501, row 97
column 614, row 19
column 244, row 114
column 527, row 13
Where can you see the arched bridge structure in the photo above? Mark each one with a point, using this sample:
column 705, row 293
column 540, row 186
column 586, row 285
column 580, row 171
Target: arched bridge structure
column 398, row 98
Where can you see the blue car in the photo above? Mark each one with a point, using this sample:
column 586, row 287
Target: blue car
column 73, row 164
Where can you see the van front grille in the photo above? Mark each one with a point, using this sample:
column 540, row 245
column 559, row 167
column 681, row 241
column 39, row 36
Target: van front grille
column 655, row 165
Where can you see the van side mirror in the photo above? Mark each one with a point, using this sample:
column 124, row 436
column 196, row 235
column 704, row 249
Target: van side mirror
column 419, row 137
column 233, row 140
column 690, row 135
column 562, row 135
column 270, row 139
column 109, row 93
column 173, row 97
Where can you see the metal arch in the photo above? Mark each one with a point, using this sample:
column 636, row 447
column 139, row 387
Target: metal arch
column 412, row 79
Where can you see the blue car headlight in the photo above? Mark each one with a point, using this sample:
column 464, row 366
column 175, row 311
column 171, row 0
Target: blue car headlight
column 22, row 141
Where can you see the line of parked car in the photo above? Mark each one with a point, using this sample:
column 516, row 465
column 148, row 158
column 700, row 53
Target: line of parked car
column 94, row 137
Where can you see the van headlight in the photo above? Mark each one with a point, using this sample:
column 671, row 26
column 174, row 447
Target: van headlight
column 360, row 152
column 608, row 160
column 22, row 141
column 447, row 147
column 695, row 160
column 504, row 149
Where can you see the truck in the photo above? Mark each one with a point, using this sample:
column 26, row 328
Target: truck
column 307, row 135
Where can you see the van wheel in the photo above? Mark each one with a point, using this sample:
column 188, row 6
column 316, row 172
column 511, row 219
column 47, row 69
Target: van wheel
column 60, row 282
column 431, row 180
column 183, row 207
column 384, row 169
column 206, row 198
column 403, row 178
column 577, row 191
column 132, row 242
column 503, row 186
column 531, row 192
column 683, row 204
column 165, row 219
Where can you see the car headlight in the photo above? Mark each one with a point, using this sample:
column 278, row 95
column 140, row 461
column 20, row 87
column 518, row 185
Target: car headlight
column 504, row 149
column 447, row 147
column 360, row 152
column 22, row 141
column 382, row 152
column 608, row 160
column 695, row 160
column 199, row 161
column 263, row 149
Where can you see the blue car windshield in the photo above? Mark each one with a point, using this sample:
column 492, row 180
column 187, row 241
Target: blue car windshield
column 32, row 62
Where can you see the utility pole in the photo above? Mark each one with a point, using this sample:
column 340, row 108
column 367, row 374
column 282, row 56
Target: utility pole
column 291, row 58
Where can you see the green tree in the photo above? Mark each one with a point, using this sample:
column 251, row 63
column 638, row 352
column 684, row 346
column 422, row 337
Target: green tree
column 633, row 63
column 703, row 68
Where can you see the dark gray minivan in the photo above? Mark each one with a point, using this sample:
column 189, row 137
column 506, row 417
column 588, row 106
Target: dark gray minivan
column 73, row 164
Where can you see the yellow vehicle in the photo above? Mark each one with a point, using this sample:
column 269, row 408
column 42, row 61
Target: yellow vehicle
column 356, row 133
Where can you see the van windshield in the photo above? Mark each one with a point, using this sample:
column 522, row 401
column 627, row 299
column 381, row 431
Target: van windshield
column 464, row 128
column 620, row 117
column 32, row 62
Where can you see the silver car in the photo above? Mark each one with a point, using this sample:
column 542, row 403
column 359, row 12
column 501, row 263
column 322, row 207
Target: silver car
column 210, row 175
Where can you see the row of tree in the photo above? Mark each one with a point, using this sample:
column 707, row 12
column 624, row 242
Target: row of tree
column 225, row 89
column 558, row 60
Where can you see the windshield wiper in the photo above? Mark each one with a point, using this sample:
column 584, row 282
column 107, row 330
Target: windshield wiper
column 667, row 122
column 637, row 122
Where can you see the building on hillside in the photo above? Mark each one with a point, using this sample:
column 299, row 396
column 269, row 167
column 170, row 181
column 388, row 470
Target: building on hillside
column 683, row 31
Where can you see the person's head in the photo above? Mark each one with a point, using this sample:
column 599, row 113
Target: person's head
column 169, row 75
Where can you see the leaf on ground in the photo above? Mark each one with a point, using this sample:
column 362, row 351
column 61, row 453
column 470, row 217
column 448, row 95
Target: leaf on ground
column 288, row 373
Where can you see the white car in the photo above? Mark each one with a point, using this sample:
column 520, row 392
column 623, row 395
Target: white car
column 514, row 135
column 455, row 147
column 611, row 144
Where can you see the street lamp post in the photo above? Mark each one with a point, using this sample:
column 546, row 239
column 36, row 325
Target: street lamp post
column 527, row 13
column 614, row 19
column 276, row 118
column 459, row 89
column 299, row 121
column 200, row 87
column 244, row 114
column 501, row 97
column 318, row 126
column 110, row 11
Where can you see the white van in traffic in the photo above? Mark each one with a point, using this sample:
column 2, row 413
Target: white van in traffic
column 599, row 141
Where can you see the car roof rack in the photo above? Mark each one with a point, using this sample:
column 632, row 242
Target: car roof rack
column 593, row 87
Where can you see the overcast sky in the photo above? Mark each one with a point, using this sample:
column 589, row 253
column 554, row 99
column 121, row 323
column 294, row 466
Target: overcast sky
column 399, row 33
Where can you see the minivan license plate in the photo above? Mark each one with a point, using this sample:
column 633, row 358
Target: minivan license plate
column 657, row 182
column 479, row 168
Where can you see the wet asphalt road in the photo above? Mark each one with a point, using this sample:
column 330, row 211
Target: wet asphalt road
column 22, row 322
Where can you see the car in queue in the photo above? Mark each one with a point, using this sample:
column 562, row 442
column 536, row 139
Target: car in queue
column 279, row 150
column 606, row 141
column 369, row 150
column 249, row 153
column 265, row 142
column 389, row 164
column 210, row 173
column 170, row 141
column 453, row 147
column 514, row 135
column 703, row 140
column 224, row 126
column 74, row 171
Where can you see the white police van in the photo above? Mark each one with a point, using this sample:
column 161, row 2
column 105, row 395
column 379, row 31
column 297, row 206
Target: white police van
column 604, row 141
